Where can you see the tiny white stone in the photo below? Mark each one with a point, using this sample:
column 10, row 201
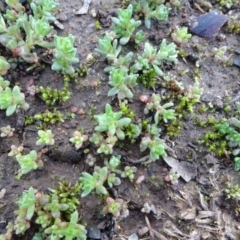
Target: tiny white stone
column 84, row 8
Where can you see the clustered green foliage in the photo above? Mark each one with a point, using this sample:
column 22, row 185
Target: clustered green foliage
column 148, row 78
column 161, row 112
column 232, row 191
column 68, row 193
column 189, row 98
column 215, row 142
column 56, row 212
column 230, row 130
column 82, row 71
column 150, row 9
column 227, row 3
column 45, row 118
column 115, row 127
column 233, row 25
column 174, row 128
column 107, row 174
column 225, row 139
column 126, row 111
column 49, row 211
column 11, row 98
column 152, row 58
column 54, row 96
column 147, row 63
column 21, row 33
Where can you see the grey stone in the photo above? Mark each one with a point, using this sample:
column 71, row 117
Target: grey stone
column 93, row 233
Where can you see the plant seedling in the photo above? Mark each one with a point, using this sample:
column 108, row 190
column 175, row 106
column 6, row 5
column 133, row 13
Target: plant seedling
column 150, row 10
column 28, row 163
column 111, row 122
column 151, row 58
column 113, row 206
column 121, row 82
column 125, row 24
column 78, row 139
column 152, row 142
column 4, row 66
column 64, row 55
column 162, row 111
column 11, row 99
column 108, row 48
column 46, row 137
column 181, row 35
column 232, row 191
column 69, row 230
column 7, row 131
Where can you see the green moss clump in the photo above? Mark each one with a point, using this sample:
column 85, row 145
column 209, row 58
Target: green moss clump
column 46, row 118
column 148, row 78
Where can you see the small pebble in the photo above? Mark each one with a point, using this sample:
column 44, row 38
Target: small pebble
column 65, row 125
column 81, row 112
column 74, row 109
column 142, row 231
column 165, row 170
column 140, row 179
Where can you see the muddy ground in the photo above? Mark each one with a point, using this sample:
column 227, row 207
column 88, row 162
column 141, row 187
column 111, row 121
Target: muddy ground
column 182, row 210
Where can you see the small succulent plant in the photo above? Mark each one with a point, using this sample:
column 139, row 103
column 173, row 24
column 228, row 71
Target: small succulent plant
column 122, row 82
column 69, row 230
column 129, row 172
column 111, row 122
column 7, row 131
column 105, row 145
column 95, row 181
column 181, row 35
column 100, row 176
column 11, row 99
column 27, row 205
column 151, row 58
column 45, row 137
column 15, row 150
column 172, row 177
column 109, row 47
column 151, row 141
column 45, row 8
column 78, row 139
column 64, row 55
column 125, row 24
column 232, row 191
column 151, row 10
column 113, row 206
column 160, row 111
column 4, row 66
column 28, row 163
